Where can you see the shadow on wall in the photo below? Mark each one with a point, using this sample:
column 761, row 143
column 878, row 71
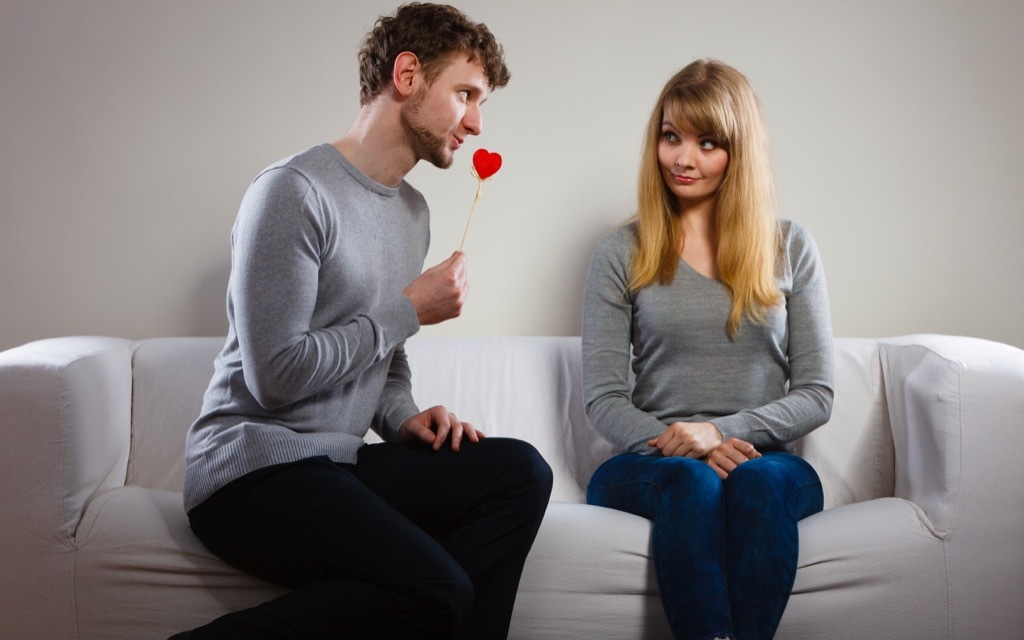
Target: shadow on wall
column 208, row 302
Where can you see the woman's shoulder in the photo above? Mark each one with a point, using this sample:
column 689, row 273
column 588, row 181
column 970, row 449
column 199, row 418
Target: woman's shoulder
column 796, row 238
column 800, row 251
column 614, row 250
column 619, row 239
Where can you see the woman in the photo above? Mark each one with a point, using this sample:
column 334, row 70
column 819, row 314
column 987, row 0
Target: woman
column 722, row 313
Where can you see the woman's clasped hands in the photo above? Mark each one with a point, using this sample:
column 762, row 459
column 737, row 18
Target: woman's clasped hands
column 704, row 440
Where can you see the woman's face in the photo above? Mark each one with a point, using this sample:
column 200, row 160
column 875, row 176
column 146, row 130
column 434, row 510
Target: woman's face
column 692, row 164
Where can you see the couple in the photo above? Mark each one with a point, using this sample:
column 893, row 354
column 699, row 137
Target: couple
column 721, row 311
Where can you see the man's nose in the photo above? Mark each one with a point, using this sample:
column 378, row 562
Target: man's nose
column 473, row 121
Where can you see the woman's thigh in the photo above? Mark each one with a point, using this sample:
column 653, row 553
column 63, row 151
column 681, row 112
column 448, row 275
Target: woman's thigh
column 640, row 484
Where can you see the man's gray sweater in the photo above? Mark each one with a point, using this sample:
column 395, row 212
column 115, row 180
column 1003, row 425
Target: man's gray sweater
column 316, row 321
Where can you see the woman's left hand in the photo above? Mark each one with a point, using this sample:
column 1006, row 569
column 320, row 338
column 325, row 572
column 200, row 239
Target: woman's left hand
column 689, row 439
column 731, row 454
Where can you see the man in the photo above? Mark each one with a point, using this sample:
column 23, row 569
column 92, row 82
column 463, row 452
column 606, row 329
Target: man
column 424, row 535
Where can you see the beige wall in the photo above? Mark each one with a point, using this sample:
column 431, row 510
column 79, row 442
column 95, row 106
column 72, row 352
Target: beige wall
column 129, row 130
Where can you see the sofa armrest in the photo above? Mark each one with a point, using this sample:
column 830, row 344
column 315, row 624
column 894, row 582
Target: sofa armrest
column 957, row 412
column 65, row 413
column 956, row 406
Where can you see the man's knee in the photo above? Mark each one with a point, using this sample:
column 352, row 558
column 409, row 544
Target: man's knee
column 518, row 465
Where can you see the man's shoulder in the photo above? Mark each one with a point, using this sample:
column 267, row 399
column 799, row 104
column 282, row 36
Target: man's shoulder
column 324, row 170
column 311, row 163
column 300, row 168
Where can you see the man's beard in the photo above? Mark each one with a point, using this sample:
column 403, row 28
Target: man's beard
column 425, row 144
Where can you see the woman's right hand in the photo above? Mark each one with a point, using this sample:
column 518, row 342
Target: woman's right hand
column 689, row 439
column 731, row 454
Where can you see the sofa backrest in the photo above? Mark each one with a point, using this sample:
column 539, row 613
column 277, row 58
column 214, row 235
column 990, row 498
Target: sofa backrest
column 169, row 378
column 853, row 452
column 522, row 387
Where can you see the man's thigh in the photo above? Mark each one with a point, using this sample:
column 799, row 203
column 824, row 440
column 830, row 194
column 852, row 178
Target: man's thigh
column 297, row 523
column 436, row 489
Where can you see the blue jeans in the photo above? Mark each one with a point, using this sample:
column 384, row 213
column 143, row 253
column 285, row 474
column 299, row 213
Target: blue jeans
column 725, row 552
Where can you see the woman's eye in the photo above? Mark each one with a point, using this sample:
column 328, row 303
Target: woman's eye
column 669, row 135
column 708, row 144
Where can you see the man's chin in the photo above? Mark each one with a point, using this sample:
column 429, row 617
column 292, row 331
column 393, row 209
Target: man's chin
column 442, row 161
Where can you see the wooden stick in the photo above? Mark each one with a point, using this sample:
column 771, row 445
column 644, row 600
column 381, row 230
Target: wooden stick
column 479, row 187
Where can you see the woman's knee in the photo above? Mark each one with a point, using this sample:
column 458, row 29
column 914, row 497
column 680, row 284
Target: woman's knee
column 689, row 475
column 779, row 479
column 777, row 469
column 685, row 485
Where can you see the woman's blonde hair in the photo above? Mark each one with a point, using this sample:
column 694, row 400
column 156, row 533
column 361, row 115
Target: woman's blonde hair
column 712, row 98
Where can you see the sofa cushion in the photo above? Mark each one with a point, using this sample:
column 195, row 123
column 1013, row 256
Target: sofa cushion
column 881, row 554
column 169, row 378
column 589, row 570
column 141, row 573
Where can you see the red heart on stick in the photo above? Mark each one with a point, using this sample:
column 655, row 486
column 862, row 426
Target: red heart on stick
column 486, row 163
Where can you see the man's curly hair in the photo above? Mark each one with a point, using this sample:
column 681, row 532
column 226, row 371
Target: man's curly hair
column 432, row 32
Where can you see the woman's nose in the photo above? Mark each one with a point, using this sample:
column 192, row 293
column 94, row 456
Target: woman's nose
column 685, row 156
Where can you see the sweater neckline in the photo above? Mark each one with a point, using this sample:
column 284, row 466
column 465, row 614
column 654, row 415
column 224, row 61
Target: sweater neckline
column 686, row 266
column 360, row 177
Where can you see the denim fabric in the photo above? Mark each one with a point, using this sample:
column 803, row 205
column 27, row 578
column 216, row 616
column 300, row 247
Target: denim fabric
column 725, row 552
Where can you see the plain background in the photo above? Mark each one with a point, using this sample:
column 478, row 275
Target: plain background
column 129, row 131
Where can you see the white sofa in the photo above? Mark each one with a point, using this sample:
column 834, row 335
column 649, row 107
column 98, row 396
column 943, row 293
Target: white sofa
column 921, row 537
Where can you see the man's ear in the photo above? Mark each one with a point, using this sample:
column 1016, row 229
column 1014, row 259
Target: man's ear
column 407, row 67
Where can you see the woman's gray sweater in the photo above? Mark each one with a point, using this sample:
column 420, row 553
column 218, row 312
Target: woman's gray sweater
column 769, row 386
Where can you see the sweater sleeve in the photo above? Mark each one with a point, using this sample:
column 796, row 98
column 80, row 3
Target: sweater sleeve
column 396, row 401
column 808, row 401
column 277, row 248
column 607, row 322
